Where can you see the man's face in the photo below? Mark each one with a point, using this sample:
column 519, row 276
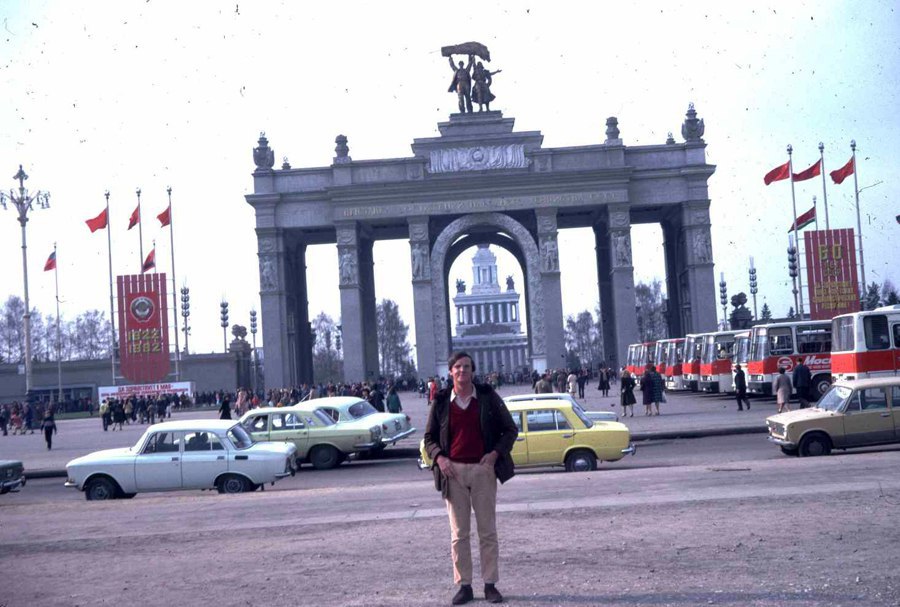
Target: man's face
column 461, row 372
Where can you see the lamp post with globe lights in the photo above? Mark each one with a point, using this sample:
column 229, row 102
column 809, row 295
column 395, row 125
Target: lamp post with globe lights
column 24, row 202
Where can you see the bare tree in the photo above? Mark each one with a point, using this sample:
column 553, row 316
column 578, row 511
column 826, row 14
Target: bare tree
column 393, row 346
column 328, row 364
column 651, row 314
column 12, row 330
column 584, row 340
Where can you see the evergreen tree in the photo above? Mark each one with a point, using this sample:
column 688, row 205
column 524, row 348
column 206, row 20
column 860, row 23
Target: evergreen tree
column 766, row 312
column 791, row 313
column 872, row 298
column 889, row 295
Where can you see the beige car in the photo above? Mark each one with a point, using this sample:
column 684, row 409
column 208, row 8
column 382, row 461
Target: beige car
column 854, row 413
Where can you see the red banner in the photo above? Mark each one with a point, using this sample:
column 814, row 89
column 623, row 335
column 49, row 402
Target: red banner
column 831, row 273
column 143, row 327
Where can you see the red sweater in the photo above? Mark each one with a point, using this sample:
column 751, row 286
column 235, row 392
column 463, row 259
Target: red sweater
column 466, row 442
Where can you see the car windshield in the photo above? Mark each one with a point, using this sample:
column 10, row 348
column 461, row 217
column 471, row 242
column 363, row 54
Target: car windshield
column 576, row 408
column 834, row 399
column 239, row 437
column 361, row 409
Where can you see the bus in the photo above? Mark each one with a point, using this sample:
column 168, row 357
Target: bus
column 741, row 352
column 866, row 344
column 715, row 361
column 784, row 344
column 632, row 358
column 690, row 369
column 674, row 355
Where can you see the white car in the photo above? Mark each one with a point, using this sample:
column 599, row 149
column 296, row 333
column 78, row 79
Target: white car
column 189, row 454
column 394, row 426
column 595, row 416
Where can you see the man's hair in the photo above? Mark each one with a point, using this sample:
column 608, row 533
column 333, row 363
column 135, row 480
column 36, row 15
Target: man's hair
column 454, row 358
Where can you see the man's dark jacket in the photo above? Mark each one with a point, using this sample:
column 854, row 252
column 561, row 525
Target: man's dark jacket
column 498, row 433
column 740, row 382
column 802, row 377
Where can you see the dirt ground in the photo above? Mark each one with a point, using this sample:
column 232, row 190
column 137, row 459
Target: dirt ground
column 835, row 550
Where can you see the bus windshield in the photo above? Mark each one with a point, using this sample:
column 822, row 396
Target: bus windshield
column 759, row 345
column 709, row 350
column 673, row 353
column 842, row 334
column 741, row 350
column 696, row 348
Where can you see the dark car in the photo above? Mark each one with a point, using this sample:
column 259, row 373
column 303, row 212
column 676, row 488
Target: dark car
column 12, row 476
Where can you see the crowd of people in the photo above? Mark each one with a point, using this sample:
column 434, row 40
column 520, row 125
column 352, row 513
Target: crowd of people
column 19, row 418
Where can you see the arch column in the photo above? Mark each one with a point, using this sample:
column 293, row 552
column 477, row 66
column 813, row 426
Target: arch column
column 420, row 251
column 616, row 281
column 697, row 283
column 547, row 231
column 274, row 307
column 357, row 287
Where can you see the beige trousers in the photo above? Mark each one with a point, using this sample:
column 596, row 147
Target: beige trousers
column 473, row 489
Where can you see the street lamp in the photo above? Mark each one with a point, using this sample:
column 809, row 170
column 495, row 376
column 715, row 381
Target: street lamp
column 754, row 289
column 723, row 299
column 793, row 271
column 185, row 313
column 224, row 323
column 23, row 203
column 255, row 365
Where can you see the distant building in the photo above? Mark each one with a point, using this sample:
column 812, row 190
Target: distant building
column 488, row 324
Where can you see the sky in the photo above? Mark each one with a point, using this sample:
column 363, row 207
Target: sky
column 119, row 95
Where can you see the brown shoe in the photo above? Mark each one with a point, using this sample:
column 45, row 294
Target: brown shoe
column 491, row 594
column 463, row 596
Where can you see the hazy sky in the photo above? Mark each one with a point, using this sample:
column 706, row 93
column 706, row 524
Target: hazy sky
column 120, row 95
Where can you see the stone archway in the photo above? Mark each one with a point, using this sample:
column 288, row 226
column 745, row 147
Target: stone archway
column 532, row 270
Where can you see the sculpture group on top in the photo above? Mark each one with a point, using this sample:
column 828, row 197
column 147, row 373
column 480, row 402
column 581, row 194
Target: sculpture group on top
column 464, row 76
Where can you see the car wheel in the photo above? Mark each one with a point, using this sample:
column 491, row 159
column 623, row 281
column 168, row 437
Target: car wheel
column 581, row 461
column 231, row 483
column 323, row 457
column 815, row 444
column 792, row 451
column 821, row 384
column 100, row 489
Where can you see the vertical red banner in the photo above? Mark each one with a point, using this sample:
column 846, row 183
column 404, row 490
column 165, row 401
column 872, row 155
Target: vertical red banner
column 831, row 273
column 143, row 327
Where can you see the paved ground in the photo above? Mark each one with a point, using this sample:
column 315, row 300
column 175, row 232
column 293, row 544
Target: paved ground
column 685, row 414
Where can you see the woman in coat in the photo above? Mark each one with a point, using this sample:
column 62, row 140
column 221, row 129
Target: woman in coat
column 627, row 396
column 603, row 386
column 782, row 389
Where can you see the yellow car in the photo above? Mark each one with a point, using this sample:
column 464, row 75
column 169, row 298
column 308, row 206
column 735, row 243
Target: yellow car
column 853, row 413
column 558, row 433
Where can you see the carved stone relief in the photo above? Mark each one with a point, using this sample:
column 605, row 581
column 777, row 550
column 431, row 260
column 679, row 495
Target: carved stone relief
column 267, row 245
column 621, row 245
column 418, row 231
column 549, row 254
column 420, row 266
column 346, row 236
column 347, row 265
column 479, row 158
column 268, row 273
column 702, row 247
column 619, row 219
column 546, row 223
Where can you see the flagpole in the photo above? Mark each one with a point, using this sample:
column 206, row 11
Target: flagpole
column 58, row 342
column 824, row 192
column 174, row 290
column 799, row 303
column 112, row 313
column 815, row 213
column 862, row 261
column 140, row 228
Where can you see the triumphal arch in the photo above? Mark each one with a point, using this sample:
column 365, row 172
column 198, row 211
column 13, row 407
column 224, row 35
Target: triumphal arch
column 479, row 182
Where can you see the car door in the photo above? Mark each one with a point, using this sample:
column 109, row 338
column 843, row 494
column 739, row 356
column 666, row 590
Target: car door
column 520, row 448
column 895, row 410
column 549, row 435
column 258, row 426
column 158, row 466
column 867, row 419
column 289, row 427
column 203, row 459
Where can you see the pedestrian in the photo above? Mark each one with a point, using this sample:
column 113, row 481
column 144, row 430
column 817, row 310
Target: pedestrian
column 543, row 385
column 652, row 389
column 603, row 384
column 118, row 416
column 802, row 380
column 393, row 400
column 582, row 380
column 740, row 388
column 48, row 425
column 29, row 418
column 572, row 383
column 4, row 419
column 469, row 437
column 376, row 398
column 104, row 414
column 627, row 392
column 225, row 408
column 782, row 389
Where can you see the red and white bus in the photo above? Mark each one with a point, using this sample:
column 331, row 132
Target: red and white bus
column 741, row 352
column 638, row 357
column 672, row 363
column 632, row 357
column 715, row 361
column 784, row 344
column 866, row 344
column 690, row 368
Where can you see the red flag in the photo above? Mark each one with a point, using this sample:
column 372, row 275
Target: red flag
column 778, row 173
column 150, row 262
column 809, row 173
column 135, row 217
column 51, row 262
column 97, row 223
column 842, row 173
column 165, row 218
column 804, row 220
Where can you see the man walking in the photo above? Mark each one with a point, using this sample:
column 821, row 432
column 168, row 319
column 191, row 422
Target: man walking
column 469, row 436
column 802, row 379
column 740, row 388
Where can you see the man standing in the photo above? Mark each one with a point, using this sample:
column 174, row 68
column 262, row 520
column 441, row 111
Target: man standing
column 462, row 84
column 469, row 436
column 802, row 379
column 543, row 385
column 740, row 388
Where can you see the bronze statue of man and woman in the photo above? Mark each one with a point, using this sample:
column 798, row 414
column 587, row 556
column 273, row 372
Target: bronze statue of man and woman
column 464, row 76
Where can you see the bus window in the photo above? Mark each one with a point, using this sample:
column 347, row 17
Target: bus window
column 813, row 340
column 897, row 336
column 780, row 341
column 842, row 334
column 876, row 332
